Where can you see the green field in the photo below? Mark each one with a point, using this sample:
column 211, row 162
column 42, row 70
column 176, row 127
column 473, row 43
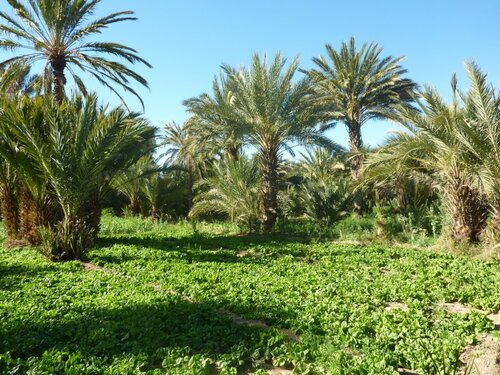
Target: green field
column 165, row 305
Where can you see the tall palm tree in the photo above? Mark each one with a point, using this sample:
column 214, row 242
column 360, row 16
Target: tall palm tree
column 57, row 32
column 68, row 155
column 272, row 112
column 354, row 86
column 432, row 143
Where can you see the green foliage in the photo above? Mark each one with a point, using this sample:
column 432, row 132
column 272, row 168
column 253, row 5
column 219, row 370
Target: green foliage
column 57, row 318
column 233, row 190
column 268, row 110
column 57, row 32
column 434, row 146
column 325, row 195
column 68, row 155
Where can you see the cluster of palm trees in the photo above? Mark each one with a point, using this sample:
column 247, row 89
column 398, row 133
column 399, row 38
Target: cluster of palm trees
column 269, row 108
column 63, row 157
column 446, row 153
column 59, row 155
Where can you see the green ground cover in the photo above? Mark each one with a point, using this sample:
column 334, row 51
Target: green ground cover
column 164, row 309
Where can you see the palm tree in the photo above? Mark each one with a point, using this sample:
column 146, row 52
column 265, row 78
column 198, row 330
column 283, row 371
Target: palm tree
column 131, row 182
column 326, row 192
column 57, row 31
column 481, row 138
column 233, row 190
column 354, row 86
column 270, row 111
column 214, row 121
column 15, row 82
column 187, row 152
column 432, row 144
column 67, row 155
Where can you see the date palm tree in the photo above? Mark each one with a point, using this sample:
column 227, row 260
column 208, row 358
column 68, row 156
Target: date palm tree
column 233, row 190
column 67, row 155
column 15, row 82
column 481, row 138
column 272, row 111
column 326, row 192
column 131, row 183
column 187, row 152
column 57, row 32
column 353, row 86
column 433, row 144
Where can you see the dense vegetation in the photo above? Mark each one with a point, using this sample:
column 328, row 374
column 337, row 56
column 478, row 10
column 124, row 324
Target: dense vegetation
column 164, row 305
column 150, row 287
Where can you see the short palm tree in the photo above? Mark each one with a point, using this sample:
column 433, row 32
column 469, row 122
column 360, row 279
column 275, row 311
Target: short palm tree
column 15, row 82
column 131, row 182
column 481, row 138
column 432, row 144
column 354, row 86
column 186, row 151
column 57, row 32
column 271, row 111
column 325, row 194
column 67, row 156
column 233, row 190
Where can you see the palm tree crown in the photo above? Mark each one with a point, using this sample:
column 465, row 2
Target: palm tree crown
column 56, row 31
column 354, row 86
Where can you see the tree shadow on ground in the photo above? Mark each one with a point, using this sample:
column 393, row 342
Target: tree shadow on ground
column 202, row 248
column 13, row 274
column 143, row 330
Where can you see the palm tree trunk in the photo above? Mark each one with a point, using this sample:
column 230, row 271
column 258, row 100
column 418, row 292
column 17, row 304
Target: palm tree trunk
column 10, row 212
column 468, row 210
column 355, row 144
column 269, row 189
column 234, row 152
column 58, row 66
column 135, row 206
column 495, row 220
column 30, row 217
column 92, row 215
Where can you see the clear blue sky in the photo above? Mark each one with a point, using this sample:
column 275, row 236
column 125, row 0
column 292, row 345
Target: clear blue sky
column 186, row 41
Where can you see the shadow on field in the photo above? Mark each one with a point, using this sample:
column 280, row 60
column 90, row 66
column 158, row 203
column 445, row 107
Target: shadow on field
column 199, row 248
column 12, row 274
column 145, row 330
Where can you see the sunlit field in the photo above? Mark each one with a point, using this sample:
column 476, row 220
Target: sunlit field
column 160, row 298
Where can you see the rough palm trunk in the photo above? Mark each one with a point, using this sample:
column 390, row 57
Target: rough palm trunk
column 58, row 65
column 30, row 217
column 269, row 189
column 92, row 215
column 234, row 152
column 10, row 212
column 495, row 221
column 135, row 205
column 400, row 195
column 468, row 210
column 355, row 144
